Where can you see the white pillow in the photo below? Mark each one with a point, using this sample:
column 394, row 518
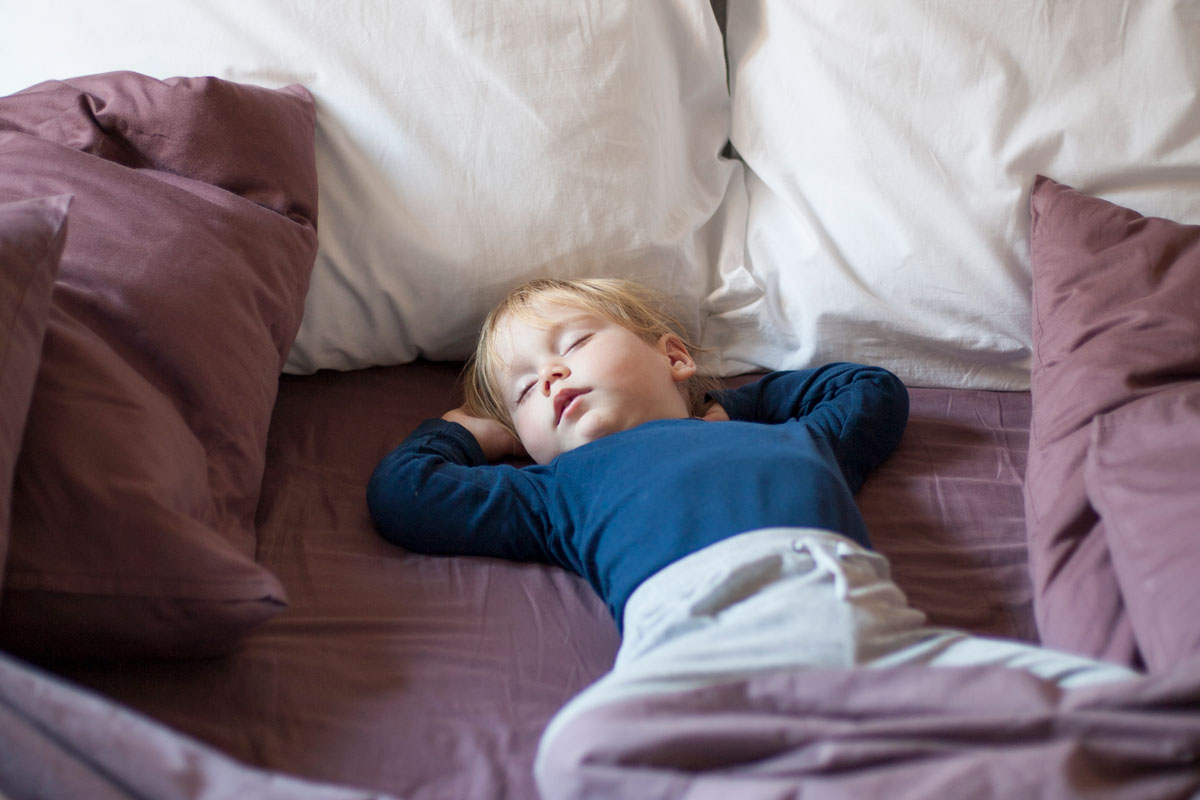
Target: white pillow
column 462, row 147
column 893, row 144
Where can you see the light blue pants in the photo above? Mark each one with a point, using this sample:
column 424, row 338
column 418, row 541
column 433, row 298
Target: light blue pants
column 783, row 598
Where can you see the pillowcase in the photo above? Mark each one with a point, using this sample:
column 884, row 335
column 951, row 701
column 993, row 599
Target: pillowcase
column 181, row 287
column 892, row 145
column 462, row 147
column 1116, row 327
column 1142, row 474
column 32, row 233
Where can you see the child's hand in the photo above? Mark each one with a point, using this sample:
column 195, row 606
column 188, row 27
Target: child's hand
column 495, row 441
column 715, row 413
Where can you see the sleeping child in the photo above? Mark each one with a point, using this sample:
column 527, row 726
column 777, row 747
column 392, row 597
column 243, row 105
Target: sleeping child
column 719, row 526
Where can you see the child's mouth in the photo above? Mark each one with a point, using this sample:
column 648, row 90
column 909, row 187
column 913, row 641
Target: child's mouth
column 565, row 402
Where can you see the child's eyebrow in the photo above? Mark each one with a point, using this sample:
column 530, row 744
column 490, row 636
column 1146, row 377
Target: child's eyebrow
column 556, row 328
column 581, row 317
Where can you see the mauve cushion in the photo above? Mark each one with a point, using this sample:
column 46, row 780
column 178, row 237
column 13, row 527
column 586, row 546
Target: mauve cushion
column 32, row 233
column 1116, row 305
column 1143, row 475
column 181, row 288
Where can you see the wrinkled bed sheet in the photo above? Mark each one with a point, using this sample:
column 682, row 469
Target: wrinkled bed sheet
column 433, row 678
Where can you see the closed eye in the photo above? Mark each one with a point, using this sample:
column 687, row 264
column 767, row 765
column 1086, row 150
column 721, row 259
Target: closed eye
column 578, row 342
column 524, row 393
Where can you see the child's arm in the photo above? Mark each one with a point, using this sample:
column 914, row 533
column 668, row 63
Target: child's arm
column 493, row 438
column 436, row 493
column 860, row 410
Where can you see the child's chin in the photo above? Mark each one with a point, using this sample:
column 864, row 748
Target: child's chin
column 595, row 425
column 575, row 442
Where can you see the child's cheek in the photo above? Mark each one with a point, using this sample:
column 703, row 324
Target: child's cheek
column 532, row 435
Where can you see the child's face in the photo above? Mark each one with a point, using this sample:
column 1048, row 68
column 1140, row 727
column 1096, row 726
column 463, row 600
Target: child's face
column 578, row 376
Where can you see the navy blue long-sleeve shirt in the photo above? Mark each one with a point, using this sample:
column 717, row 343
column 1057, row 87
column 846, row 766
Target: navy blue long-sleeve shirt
column 618, row 509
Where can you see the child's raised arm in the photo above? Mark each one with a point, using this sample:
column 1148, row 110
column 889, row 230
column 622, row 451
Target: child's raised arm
column 494, row 439
column 861, row 410
column 437, row 494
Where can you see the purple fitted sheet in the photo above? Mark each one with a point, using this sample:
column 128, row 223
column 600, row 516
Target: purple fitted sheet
column 431, row 677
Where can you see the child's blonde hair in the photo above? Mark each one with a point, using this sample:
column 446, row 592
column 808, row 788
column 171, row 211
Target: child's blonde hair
column 635, row 307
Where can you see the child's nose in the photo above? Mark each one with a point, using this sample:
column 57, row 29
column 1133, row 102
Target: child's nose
column 551, row 372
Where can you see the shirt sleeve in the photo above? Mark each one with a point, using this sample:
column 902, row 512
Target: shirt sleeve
column 437, row 494
column 860, row 410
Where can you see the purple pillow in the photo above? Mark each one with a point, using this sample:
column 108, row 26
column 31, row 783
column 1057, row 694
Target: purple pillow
column 1143, row 476
column 32, row 233
column 1116, row 302
column 181, row 288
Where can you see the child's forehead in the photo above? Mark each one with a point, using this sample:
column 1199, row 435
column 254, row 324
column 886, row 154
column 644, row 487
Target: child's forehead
column 545, row 314
column 551, row 307
column 539, row 318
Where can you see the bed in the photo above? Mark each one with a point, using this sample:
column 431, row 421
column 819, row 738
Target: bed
column 246, row 245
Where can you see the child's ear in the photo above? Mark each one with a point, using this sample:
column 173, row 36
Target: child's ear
column 683, row 366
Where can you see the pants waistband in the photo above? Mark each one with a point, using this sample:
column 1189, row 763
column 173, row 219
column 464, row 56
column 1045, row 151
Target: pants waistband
column 663, row 586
